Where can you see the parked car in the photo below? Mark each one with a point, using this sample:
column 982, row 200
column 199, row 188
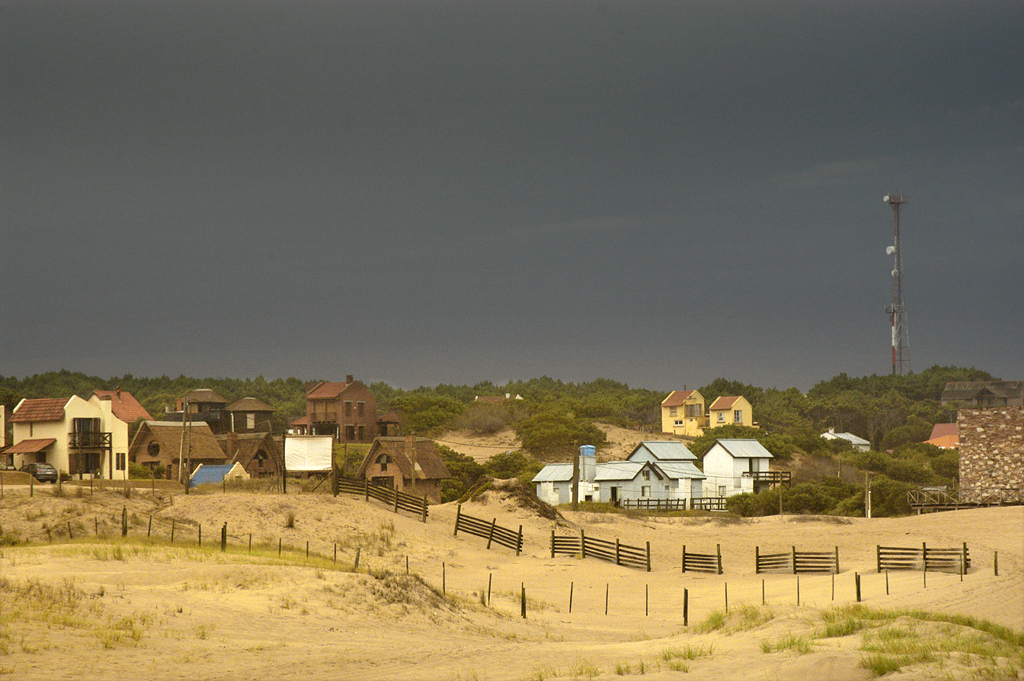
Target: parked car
column 43, row 472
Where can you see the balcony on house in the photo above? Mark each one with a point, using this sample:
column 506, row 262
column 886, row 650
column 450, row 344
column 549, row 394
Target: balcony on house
column 330, row 416
column 89, row 440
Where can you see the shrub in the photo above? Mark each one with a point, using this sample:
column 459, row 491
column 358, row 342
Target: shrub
column 137, row 471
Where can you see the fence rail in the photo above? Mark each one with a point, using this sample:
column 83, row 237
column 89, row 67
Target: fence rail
column 924, row 558
column 796, row 561
column 708, row 504
column 602, row 549
column 923, row 500
column 491, row 531
column 655, row 504
column 396, row 499
column 703, row 562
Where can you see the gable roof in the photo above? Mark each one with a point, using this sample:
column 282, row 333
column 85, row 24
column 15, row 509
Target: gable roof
column 969, row 390
column 124, row 405
column 168, row 435
column 724, row 402
column 326, row 390
column 554, row 472
column 43, row 409
column 743, row 448
column 250, row 404
column 677, row 470
column 676, row 398
column 621, row 470
column 665, row 450
column 849, row 437
column 429, row 465
column 247, row 444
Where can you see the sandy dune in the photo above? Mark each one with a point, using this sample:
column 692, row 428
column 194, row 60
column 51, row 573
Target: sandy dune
column 95, row 607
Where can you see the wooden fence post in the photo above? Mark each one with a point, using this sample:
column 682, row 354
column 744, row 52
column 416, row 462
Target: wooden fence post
column 606, row 598
column 523, row 600
column 424, row 514
column 616, row 550
column 200, row 535
column 757, row 560
column 963, row 562
column 444, row 578
column 355, row 566
column 682, row 559
column 837, row 559
column 995, row 564
column 149, row 532
column 490, row 533
column 583, row 544
column 224, row 538
column 924, row 556
column 396, row 497
column 856, row 581
column 366, row 490
column 878, row 556
column 172, row 530
column 686, row 607
column 648, row 556
column 794, row 560
column 519, row 544
column 718, row 550
column 552, row 543
column 458, row 514
column 570, row 597
column 70, row 536
column 124, row 521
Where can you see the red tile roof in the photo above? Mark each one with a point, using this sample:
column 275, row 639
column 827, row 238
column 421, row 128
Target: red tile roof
column 124, row 405
column 944, row 429
column 45, row 409
column 723, row 402
column 326, row 391
column 30, row 446
column 676, row 398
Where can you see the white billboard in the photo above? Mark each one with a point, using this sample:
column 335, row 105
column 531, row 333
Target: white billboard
column 307, row 453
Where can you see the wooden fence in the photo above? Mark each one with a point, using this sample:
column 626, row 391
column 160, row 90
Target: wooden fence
column 703, row 562
column 796, row 561
column 395, row 499
column 602, row 549
column 491, row 531
column 708, row 504
column 655, row 504
column 924, row 558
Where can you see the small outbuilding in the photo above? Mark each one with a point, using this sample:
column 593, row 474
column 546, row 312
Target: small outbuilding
column 408, row 464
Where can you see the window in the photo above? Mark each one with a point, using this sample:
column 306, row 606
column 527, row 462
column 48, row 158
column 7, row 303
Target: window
column 348, row 409
column 350, row 433
column 645, row 491
column 694, row 411
column 261, row 458
column 362, row 433
column 721, row 490
column 153, row 449
column 361, row 408
column 120, row 463
column 680, row 422
column 382, row 461
column 250, row 421
column 672, row 411
column 721, row 417
column 647, row 475
column 737, row 416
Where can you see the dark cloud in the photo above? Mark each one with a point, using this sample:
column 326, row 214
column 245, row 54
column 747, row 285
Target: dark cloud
column 661, row 193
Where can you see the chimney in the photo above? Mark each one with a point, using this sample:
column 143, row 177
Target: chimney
column 349, row 379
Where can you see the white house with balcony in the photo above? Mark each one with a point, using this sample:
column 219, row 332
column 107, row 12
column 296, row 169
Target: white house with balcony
column 82, row 438
column 735, row 466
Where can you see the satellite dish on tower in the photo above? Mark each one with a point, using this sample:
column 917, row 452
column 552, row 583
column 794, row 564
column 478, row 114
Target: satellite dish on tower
column 885, row 198
column 890, row 250
column 895, row 272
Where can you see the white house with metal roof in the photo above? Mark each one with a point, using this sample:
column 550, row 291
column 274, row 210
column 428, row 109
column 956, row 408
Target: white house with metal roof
column 859, row 444
column 732, row 466
column 655, row 470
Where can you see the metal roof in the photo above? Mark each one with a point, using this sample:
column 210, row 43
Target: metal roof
column 849, row 437
column 666, row 450
column 681, row 469
column 618, row 470
column 554, row 472
column 210, row 475
column 744, row 448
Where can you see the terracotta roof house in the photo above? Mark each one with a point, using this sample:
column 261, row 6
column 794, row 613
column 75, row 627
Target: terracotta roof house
column 408, row 464
column 159, row 443
column 732, row 409
column 945, row 436
column 346, row 411
column 682, row 413
column 123, row 404
column 249, row 414
column 84, row 438
column 984, row 394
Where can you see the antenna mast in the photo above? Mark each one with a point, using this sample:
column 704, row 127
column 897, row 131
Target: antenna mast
column 897, row 310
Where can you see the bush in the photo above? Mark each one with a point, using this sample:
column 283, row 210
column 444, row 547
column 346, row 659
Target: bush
column 558, row 434
column 465, row 472
column 137, row 471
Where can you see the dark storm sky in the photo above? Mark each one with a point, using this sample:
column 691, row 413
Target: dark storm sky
column 426, row 192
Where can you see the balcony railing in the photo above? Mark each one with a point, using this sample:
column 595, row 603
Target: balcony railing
column 89, row 440
column 770, row 477
column 324, row 417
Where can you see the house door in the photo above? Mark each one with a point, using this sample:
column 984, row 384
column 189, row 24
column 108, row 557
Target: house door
column 614, row 495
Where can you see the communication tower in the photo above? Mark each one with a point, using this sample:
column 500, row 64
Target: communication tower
column 897, row 310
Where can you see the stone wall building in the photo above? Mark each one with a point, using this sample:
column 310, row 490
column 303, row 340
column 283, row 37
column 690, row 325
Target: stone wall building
column 991, row 451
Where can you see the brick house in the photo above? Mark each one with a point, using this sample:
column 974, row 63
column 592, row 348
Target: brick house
column 346, row 411
column 260, row 454
column 159, row 443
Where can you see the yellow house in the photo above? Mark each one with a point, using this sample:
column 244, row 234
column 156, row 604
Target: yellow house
column 84, row 439
column 682, row 413
column 728, row 410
